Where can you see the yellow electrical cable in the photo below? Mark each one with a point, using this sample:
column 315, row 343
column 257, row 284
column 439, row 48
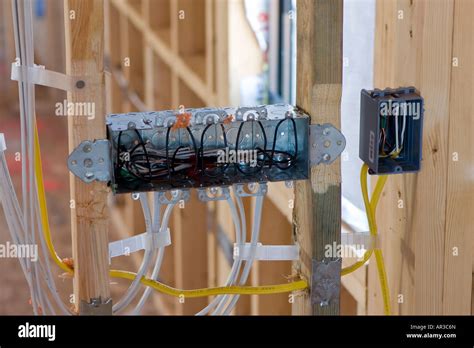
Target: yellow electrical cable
column 238, row 290
column 370, row 208
column 44, row 207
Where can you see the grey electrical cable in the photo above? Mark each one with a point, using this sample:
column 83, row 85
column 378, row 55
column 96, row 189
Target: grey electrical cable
column 243, row 224
column 19, row 46
column 158, row 262
column 135, row 286
column 239, row 237
column 253, row 247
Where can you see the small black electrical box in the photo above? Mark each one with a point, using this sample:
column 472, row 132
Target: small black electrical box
column 391, row 129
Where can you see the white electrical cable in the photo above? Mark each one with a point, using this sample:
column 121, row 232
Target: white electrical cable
column 403, row 130
column 12, row 212
column 14, row 220
column 243, row 224
column 19, row 46
column 253, row 249
column 29, row 48
column 239, row 238
column 159, row 259
column 22, row 19
column 148, row 256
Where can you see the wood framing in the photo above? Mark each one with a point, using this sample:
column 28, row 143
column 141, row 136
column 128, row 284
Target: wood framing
column 84, row 33
column 426, row 230
column 317, row 213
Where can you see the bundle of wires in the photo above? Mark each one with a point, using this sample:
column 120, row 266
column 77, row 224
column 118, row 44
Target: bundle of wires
column 145, row 163
column 385, row 148
column 370, row 207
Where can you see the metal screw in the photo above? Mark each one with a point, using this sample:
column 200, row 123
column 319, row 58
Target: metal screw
column 87, row 148
column 324, row 303
column 73, row 162
column 80, row 84
column 88, row 163
column 327, row 143
column 326, row 131
column 131, row 125
column 100, row 160
column 326, row 157
column 89, row 175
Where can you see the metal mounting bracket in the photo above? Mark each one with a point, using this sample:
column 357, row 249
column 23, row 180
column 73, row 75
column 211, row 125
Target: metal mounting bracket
column 326, row 281
column 176, row 196
column 211, row 194
column 95, row 307
column 251, row 190
column 326, row 143
column 90, row 161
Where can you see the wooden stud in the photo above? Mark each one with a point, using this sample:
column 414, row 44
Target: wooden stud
column 84, row 57
column 317, row 213
column 417, row 51
column 460, row 190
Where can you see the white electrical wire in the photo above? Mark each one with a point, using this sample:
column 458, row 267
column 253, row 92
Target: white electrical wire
column 17, row 14
column 15, row 225
column 403, row 130
column 148, row 256
column 253, row 250
column 239, row 237
column 243, row 224
column 159, row 257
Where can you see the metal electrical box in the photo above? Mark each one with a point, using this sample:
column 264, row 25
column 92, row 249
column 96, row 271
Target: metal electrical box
column 208, row 147
column 391, row 130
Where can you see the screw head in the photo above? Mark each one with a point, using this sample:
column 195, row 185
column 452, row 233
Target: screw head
column 88, row 163
column 80, row 84
column 326, row 157
column 324, row 303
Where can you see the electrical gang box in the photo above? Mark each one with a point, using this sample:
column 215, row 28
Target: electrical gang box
column 391, row 129
column 208, row 147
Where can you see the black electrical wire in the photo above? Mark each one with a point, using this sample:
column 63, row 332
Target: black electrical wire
column 292, row 157
column 195, row 149
column 144, row 151
column 167, row 150
column 237, row 165
column 201, row 151
column 118, row 150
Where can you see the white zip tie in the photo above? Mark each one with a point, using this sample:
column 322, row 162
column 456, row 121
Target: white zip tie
column 3, row 144
column 365, row 239
column 38, row 75
column 267, row 252
column 144, row 241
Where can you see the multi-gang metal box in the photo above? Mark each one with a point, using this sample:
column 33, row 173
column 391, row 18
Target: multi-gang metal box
column 391, row 130
column 207, row 147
